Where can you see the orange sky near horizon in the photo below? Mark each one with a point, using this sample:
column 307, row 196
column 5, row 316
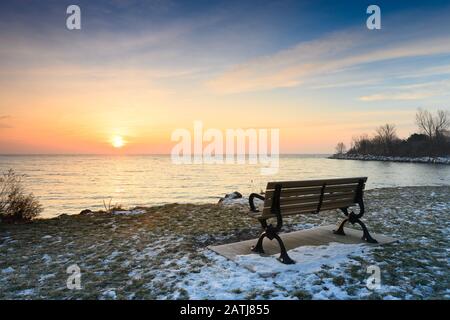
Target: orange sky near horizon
column 82, row 116
column 57, row 111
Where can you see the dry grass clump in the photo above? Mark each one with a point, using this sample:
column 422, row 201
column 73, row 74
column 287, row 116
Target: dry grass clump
column 111, row 208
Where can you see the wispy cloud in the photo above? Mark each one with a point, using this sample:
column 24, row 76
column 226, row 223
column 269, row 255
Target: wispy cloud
column 335, row 52
column 427, row 72
column 4, row 118
column 396, row 96
column 417, row 91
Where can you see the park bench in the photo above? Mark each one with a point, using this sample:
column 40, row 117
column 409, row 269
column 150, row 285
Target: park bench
column 286, row 198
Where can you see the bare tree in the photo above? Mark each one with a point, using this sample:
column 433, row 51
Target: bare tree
column 387, row 132
column 434, row 139
column 360, row 144
column 433, row 127
column 386, row 136
column 424, row 121
column 341, row 148
column 441, row 123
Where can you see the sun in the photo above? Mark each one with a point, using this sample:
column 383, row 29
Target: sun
column 117, row 142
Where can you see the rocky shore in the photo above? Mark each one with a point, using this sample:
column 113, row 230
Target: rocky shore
column 160, row 253
column 434, row 160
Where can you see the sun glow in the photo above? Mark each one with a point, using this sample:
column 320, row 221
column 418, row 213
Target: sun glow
column 117, row 142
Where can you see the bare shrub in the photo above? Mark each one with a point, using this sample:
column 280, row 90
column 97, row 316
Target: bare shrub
column 15, row 204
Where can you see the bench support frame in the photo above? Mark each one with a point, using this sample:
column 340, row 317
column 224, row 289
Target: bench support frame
column 270, row 231
column 356, row 218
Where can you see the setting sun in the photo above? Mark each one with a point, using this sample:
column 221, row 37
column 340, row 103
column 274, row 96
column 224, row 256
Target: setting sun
column 117, row 142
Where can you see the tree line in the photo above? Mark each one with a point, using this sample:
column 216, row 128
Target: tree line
column 433, row 139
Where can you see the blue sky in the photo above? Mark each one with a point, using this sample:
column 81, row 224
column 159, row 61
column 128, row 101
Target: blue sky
column 311, row 68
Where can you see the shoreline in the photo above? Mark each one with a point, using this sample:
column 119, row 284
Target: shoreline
column 425, row 160
column 241, row 204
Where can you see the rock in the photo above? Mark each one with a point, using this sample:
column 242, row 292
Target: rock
column 86, row 211
column 236, row 200
column 437, row 160
column 231, row 196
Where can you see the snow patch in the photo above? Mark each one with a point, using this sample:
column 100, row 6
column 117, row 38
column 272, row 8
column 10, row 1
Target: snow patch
column 110, row 294
column 129, row 212
column 308, row 258
column 46, row 276
column 135, row 274
column 26, row 292
column 46, row 258
column 8, row 270
column 224, row 279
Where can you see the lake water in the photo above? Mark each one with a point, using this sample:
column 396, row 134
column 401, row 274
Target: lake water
column 69, row 184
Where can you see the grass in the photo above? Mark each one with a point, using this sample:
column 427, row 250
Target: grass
column 152, row 255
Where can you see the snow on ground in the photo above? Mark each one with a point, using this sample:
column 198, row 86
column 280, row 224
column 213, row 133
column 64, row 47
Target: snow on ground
column 128, row 212
column 309, row 259
column 225, row 279
column 161, row 254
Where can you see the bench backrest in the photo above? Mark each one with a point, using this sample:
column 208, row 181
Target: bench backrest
column 312, row 196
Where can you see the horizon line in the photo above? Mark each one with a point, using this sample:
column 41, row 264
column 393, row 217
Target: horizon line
column 134, row 154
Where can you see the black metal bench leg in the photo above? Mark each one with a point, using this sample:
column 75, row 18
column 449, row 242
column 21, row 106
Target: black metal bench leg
column 270, row 231
column 258, row 248
column 284, row 257
column 354, row 218
column 340, row 229
column 366, row 235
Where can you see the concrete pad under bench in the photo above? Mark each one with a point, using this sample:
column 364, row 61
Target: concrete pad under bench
column 317, row 236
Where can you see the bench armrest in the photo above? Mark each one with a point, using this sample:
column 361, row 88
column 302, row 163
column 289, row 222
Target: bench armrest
column 250, row 200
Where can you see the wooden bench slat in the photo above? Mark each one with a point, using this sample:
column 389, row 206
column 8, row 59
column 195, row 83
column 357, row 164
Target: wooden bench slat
column 345, row 187
column 295, row 192
column 303, row 183
column 303, row 199
column 340, row 195
column 287, row 213
column 288, row 208
column 314, row 190
column 308, row 198
column 338, row 204
column 308, row 209
column 345, row 193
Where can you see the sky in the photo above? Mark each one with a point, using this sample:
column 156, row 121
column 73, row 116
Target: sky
column 139, row 70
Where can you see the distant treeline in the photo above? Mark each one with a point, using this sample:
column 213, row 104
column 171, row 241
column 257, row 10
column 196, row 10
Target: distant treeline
column 433, row 139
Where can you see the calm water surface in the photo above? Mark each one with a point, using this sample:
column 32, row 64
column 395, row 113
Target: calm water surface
column 69, row 184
